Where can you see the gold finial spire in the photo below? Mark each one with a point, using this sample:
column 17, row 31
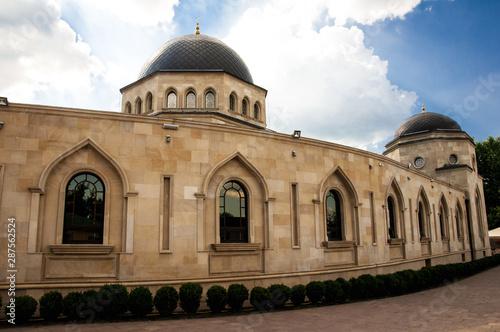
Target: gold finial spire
column 197, row 26
column 423, row 108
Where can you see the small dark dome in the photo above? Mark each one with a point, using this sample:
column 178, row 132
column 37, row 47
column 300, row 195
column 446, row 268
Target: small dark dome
column 426, row 122
column 196, row 52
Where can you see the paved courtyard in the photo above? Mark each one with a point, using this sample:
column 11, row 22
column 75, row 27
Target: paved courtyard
column 467, row 305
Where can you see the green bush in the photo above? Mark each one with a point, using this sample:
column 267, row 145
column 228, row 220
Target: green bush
column 346, row 289
column 410, row 277
column 165, row 300
column 260, row 298
column 71, row 302
column 113, row 298
column 280, row 294
column 140, row 301
column 333, row 291
column 216, row 298
column 88, row 307
column 298, row 295
column 51, row 305
column 365, row 287
column 394, row 284
column 315, row 291
column 25, row 308
column 190, row 297
column 237, row 294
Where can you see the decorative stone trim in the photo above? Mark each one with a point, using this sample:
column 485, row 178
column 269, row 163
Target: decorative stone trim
column 338, row 244
column 81, row 249
column 236, row 246
column 425, row 240
column 396, row 241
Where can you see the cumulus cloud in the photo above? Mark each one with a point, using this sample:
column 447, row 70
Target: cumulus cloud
column 142, row 13
column 41, row 55
column 321, row 78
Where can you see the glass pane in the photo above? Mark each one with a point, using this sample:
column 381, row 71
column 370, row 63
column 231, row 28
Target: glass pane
column 210, row 100
column 232, row 203
column 99, row 186
column 190, row 100
column 172, row 100
column 91, row 178
column 72, row 185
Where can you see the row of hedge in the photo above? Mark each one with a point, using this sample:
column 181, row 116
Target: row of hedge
column 112, row 300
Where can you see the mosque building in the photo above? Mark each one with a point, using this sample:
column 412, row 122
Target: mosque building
column 187, row 183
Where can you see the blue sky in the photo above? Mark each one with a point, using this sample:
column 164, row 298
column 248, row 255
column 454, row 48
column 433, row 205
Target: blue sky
column 344, row 71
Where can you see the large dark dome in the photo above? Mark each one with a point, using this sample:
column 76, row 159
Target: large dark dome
column 196, row 53
column 426, row 122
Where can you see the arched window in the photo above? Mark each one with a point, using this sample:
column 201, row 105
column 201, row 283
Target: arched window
column 149, row 102
column 172, row 100
column 233, row 213
column 232, row 102
column 244, row 105
column 138, row 106
column 256, row 111
column 191, row 100
column 84, row 210
column 209, row 100
column 333, row 216
column 458, row 218
column 128, row 108
column 421, row 220
column 442, row 221
column 391, row 211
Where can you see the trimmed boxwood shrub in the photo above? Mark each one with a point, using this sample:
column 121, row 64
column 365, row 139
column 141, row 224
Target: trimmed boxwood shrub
column 410, row 278
column 25, row 308
column 113, row 298
column 346, row 289
column 365, row 287
column 190, row 297
column 71, row 302
column 260, row 298
column 216, row 298
column 280, row 294
column 333, row 291
column 298, row 295
column 394, row 284
column 88, row 307
column 237, row 294
column 51, row 305
column 140, row 301
column 165, row 300
column 315, row 291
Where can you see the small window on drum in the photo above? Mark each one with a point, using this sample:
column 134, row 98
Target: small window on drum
column 452, row 159
column 209, row 100
column 419, row 162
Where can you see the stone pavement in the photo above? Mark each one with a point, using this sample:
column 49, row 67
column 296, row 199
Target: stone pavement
column 467, row 305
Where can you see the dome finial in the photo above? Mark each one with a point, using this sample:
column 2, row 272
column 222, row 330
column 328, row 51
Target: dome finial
column 197, row 26
column 423, row 108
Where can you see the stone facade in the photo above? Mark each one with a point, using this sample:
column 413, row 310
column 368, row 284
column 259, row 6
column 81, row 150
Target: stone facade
column 162, row 174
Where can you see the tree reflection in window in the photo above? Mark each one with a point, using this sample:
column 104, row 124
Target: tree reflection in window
column 84, row 210
column 333, row 216
column 233, row 213
column 392, row 217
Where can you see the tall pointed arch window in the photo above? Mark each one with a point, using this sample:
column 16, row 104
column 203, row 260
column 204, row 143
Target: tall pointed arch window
column 84, row 210
column 442, row 222
column 391, row 212
column 244, row 106
column 149, row 102
column 128, row 108
column 232, row 102
column 138, row 106
column 458, row 221
column 256, row 111
column 209, row 100
column 333, row 216
column 233, row 214
column 421, row 220
column 191, row 100
column 172, row 100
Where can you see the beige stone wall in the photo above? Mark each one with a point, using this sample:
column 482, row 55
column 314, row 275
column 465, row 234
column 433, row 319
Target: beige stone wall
column 41, row 147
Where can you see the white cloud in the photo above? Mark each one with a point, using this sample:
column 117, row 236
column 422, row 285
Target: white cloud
column 142, row 13
column 42, row 57
column 323, row 81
